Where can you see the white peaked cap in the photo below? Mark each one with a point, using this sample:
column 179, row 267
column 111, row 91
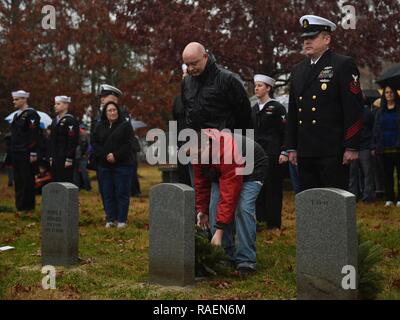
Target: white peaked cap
column 110, row 89
column 311, row 20
column 263, row 78
column 20, row 94
column 64, row 99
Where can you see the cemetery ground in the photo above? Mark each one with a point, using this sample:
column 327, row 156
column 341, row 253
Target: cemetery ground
column 114, row 263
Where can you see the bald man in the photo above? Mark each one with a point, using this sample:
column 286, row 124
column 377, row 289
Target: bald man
column 213, row 97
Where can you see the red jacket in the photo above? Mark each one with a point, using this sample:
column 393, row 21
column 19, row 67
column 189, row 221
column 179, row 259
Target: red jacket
column 229, row 182
column 42, row 179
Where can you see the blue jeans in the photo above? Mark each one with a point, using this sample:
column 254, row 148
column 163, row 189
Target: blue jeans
column 361, row 182
column 115, row 188
column 81, row 175
column 242, row 250
column 294, row 177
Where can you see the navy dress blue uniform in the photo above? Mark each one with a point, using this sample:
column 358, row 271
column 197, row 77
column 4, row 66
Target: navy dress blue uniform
column 269, row 132
column 324, row 119
column 64, row 139
column 25, row 140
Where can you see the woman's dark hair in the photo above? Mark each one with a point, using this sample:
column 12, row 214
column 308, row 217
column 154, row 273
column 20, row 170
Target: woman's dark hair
column 396, row 98
column 271, row 92
column 104, row 112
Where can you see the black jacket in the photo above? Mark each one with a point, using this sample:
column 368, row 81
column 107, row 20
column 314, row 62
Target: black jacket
column 116, row 139
column 269, row 126
column 216, row 99
column 325, row 107
column 64, row 138
column 25, row 132
column 178, row 114
column 135, row 148
column 378, row 130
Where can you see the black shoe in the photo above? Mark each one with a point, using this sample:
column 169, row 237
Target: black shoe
column 244, row 272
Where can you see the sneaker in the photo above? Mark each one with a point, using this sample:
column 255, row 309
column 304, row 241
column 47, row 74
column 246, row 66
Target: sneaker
column 388, row 203
column 244, row 272
column 121, row 225
column 109, row 225
column 398, row 204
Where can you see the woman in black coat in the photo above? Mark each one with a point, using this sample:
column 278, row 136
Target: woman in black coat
column 112, row 147
column 269, row 118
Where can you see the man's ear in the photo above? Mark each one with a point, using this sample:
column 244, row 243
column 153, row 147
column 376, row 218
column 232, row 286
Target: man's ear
column 328, row 39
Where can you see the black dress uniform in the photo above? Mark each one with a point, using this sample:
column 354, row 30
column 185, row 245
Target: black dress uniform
column 325, row 118
column 269, row 132
column 64, row 141
column 25, row 136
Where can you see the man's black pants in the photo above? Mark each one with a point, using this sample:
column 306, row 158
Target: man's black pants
column 24, row 181
column 323, row 172
column 269, row 201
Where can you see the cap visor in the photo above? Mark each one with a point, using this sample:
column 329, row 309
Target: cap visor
column 106, row 93
column 310, row 34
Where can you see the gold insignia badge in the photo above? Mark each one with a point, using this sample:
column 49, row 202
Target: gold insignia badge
column 305, row 24
column 324, row 86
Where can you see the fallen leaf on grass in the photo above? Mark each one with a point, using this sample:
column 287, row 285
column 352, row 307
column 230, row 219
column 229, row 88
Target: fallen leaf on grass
column 87, row 261
column 37, row 254
column 396, row 283
column 221, row 284
column 236, row 298
column 21, row 289
column 268, row 282
column 70, row 291
column 258, row 295
column 392, row 253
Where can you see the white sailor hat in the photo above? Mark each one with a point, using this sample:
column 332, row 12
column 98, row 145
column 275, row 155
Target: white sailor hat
column 64, row 99
column 312, row 25
column 20, row 94
column 106, row 90
column 263, row 78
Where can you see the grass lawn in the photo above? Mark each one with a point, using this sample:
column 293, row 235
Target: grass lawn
column 114, row 263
